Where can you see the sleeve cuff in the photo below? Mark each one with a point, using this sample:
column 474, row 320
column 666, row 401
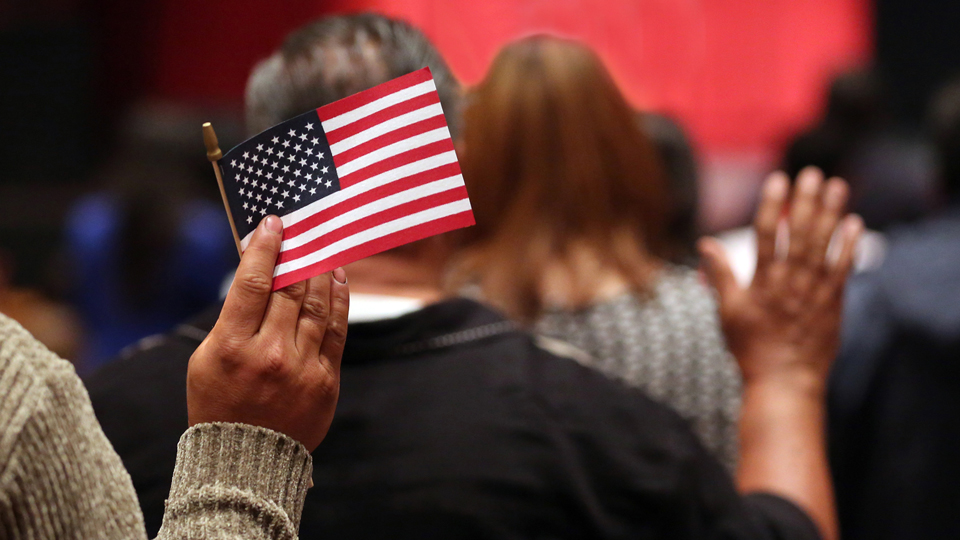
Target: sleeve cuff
column 258, row 462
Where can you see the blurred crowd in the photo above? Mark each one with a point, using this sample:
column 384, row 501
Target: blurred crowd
column 587, row 235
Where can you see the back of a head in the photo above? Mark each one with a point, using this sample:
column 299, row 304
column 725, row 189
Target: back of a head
column 553, row 160
column 335, row 57
column 944, row 125
column 680, row 172
column 856, row 101
column 855, row 110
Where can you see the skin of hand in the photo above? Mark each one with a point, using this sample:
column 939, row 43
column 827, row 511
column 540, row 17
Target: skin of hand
column 786, row 325
column 784, row 331
column 273, row 358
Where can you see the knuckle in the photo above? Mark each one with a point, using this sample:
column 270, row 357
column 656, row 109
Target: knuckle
column 227, row 350
column 254, row 283
column 276, row 361
column 337, row 329
column 329, row 387
column 316, row 307
column 294, row 290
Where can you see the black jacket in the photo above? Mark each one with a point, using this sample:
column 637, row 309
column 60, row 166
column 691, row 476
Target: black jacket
column 453, row 425
column 895, row 391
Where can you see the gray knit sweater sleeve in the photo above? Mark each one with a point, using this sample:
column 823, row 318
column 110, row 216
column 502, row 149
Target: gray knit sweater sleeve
column 60, row 477
column 236, row 481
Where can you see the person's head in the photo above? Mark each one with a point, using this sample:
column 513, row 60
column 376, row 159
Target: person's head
column 856, row 101
column 944, row 125
column 555, row 166
column 856, row 109
column 680, row 171
column 335, row 57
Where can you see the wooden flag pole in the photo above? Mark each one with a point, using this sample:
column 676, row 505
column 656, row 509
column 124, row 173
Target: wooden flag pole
column 214, row 154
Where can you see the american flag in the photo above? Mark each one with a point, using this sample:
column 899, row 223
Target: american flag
column 351, row 179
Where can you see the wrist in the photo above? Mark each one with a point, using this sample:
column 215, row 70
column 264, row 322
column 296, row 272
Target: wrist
column 786, row 368
column 799, row 381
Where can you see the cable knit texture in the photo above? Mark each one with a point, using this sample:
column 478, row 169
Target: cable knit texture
column 60, row 478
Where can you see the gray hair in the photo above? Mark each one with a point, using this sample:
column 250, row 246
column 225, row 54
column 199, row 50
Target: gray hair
column 335, row 57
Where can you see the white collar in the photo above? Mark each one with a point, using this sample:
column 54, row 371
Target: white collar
column 375, row 307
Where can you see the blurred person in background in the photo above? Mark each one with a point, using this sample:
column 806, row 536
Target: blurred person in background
column 148, row 249
column 52, row 323
column 895, row 389
column 453, row 424
column 572, row 214
column 680, row 170
column 890, row 171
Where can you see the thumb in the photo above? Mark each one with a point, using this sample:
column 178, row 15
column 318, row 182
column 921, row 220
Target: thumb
column 246, row 302
column 716, row 268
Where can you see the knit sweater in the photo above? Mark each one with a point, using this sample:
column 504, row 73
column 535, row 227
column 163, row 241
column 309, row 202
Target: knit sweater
column 60, row 477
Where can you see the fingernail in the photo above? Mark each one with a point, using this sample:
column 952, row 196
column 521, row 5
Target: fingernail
column 836, row 192
column 810, row 179
column 273, row 224
column 778, row 185
column 340, row 276
column 854, row 224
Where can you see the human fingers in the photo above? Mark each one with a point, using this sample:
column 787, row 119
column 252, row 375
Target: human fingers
column 283, row 311
column 835, row 195
column 335, row 335
column 716, row 268
column 314, row 314
column 246, row 302
column 773, row 197
column 803, row 209
column 831, row 285
column 850, row 231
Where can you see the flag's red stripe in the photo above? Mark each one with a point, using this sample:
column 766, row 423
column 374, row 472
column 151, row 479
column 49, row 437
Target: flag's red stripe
column 362, row 224
column 398, row 160
column 367, row 122
column 412, row 181
column 394, row 136
column 360, row 99
column 417, row 232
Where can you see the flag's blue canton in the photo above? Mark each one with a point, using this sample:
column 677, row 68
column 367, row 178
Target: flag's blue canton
column 278, row 171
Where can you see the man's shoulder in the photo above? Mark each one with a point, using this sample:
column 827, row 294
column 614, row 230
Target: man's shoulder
column 557, row 382
column 469, row 342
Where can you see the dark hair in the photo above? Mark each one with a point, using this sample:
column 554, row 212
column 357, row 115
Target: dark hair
column 944, row 123
column 680, row 171
column 338, row 56
column 553, row 161
column 856, row 109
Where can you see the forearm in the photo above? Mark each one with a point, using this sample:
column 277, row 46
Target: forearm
column 236, row 481
column 783, row 446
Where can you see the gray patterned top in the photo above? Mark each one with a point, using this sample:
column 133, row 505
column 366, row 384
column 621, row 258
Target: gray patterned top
column 670, row 345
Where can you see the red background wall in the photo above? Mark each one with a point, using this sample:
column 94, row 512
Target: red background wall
column 741, row 74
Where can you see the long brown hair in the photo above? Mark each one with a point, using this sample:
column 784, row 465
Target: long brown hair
column 554, row 162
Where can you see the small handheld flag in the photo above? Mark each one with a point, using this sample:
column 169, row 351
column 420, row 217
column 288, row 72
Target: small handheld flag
column 370, row 172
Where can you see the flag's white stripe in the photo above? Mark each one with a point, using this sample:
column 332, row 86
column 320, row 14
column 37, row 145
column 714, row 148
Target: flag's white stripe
column 367, row 235
column 371, row 208
column 382, row 128
column 381, row 179
column 391, row 150
column 388, row 100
